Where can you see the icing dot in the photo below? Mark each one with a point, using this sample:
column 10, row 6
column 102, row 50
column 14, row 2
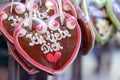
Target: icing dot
column 35, row 6
column 70, row 24
column 5, row 16
column 20, row 9
column 39, row 27
column 54, row 25
column 49, row 4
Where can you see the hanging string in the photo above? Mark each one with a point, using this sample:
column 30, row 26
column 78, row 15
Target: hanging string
column 61, row 12
column 40, row 2
column 12, row 6
column 85, row 5
column 31, row 14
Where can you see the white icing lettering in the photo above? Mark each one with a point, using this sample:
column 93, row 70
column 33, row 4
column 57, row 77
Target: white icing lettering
column 49, row 42
column 56, row 46
column 43, row 15
column 15, row 21
column 19, row 19
column 46, row 48
column 36, row 13
column 32, row 40
column 35, row 40
column 64, row 34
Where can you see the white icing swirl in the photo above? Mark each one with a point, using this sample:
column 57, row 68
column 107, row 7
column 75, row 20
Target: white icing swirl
column 41, row 27
column 20, row 9
column 22, row 32
column 49, row 4
column 28, row 5
column 70, row 24
column 5, row 16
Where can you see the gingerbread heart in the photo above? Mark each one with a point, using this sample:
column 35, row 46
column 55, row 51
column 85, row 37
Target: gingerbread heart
column 88, row 36
column 96, row 11
column 50, row 46
column 14, row 53
column 12, row 13
column 113, row 9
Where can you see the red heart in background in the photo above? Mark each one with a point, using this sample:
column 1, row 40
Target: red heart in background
column 53, row 57
column 47, row 46
column 24, row 65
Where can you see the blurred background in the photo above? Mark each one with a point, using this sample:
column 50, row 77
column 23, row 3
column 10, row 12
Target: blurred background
column 103, row 63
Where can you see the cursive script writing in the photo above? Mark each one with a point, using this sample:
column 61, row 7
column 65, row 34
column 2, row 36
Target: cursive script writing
column 16, row 19
column 51, row 40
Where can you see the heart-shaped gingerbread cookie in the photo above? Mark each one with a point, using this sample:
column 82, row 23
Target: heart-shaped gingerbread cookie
column 102, row 25
column 50, row 46
column 12, row 13
column 88, row 36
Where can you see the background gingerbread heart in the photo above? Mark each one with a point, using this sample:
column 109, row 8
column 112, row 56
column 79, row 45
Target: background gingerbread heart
column 12, row 13
column 24, row 65
column 97, row 14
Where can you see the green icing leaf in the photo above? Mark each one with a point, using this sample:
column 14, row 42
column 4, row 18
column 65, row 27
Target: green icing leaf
column 96, row 20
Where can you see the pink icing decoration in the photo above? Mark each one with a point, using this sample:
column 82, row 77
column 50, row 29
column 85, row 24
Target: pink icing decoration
column 73, row 23
column 35, row 6
column 18, row 8
column 55, row 24
column 39, row 27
